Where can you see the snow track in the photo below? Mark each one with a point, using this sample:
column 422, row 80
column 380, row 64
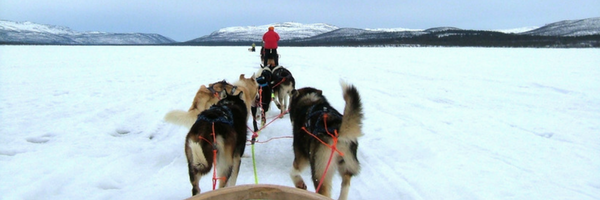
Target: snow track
column 440, row 123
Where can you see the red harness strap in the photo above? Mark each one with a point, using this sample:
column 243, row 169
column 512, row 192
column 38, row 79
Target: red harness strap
column 283, row 79
column 333, row 147
column 214, row 145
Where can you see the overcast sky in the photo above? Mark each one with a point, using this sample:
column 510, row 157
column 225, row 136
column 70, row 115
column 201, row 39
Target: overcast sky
column 184, row 20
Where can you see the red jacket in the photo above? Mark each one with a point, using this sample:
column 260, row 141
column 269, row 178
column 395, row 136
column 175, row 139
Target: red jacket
column 270, row 38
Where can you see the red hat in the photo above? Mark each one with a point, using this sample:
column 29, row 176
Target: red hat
column 271, row 28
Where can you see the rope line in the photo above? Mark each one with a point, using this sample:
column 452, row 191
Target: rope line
column 214, row 146
column 255, row 133
column 283, row 79
column 273, row 138
column 254, row 166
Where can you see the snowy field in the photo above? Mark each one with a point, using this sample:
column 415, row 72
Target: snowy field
column 440, row 123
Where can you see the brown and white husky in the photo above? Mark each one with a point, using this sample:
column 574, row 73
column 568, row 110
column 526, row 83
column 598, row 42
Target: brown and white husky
column 208, row 96
column 221, row 128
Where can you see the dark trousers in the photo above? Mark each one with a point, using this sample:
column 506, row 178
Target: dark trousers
column 271, row 54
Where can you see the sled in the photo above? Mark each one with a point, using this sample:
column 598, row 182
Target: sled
column 259, row 191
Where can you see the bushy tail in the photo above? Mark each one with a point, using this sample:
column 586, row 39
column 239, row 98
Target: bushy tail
column 182, row 118
column 352, row 121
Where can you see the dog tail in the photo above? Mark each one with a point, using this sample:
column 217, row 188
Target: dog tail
column 351, row 127
column 182, row 118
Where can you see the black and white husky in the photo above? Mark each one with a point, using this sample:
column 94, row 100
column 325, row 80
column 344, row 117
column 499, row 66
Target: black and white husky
column 222, row 127
column 263, row 99
column 283, row 83
column 280, row 83
column 310, row 112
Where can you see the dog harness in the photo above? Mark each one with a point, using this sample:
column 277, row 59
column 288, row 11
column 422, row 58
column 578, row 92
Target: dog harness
column 318, row 126
column 262, row 82
column 225, row 115
column 265, row 77
column 214, row 92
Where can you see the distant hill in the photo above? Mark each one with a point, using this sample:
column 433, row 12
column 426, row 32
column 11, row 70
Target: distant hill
column 33, row 33
column 582, row 27
column 287, row 31
column 573, row 33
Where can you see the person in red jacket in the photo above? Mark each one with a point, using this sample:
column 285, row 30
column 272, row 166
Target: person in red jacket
column 269, row 50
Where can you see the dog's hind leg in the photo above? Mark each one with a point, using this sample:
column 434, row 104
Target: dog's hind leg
column 224, row 175
column 225, row 162
column 300, row 162
column 320, row 159
column 280, row 102
column 348, row 165
column 194, row 179
column 254, row 111
column 276, row 100
column 286, row 97
column 237, row 160
column 197, row 163
column 345, row 186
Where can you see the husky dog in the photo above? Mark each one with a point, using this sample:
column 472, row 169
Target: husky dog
column 265, row 76
column 222, row 127
column 270, row 61
column 263, row 99
column 208, row 96
column 282, row 84
column 310, row 112
column 279, row 83
column 249, row 87
column 204, row 99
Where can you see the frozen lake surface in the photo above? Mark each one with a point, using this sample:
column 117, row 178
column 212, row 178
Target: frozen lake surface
column 86, row 122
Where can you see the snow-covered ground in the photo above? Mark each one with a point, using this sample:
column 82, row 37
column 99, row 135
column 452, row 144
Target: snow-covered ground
column 440, row 123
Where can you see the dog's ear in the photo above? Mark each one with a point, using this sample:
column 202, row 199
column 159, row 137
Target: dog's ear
column 217, row 87
column 320, row 92
column 242, row 76
column 204, row 88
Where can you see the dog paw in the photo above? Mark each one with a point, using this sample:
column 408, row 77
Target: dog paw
column 301, row 185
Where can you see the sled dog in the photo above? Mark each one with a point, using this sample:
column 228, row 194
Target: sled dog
column 263, row 99
column 222, row 127
column 204, row 99
column 311, row 111
column 270, row 61
column 265, row 75
column 282, row 84
column 249, row 87
column 208, row 96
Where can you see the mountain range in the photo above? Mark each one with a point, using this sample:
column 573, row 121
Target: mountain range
column 33, row 33
column 568, row 33
column 294, row 31
column 291, row 31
